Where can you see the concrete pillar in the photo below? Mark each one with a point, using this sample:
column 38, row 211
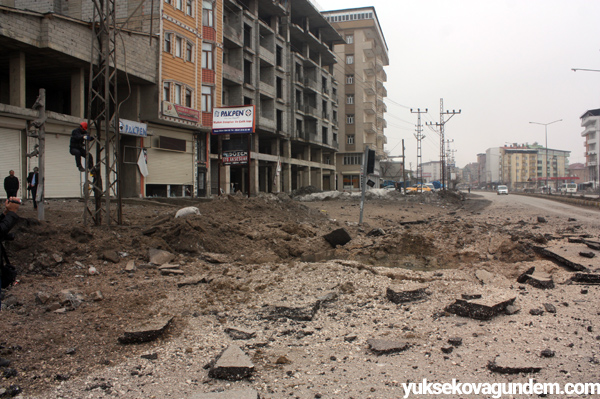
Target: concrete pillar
column 277, row 176
column 17, row 79
column 78, row 93
column 254, row 170
column 286, row 166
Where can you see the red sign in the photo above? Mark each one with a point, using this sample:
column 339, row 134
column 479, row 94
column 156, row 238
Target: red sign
column 181, row 112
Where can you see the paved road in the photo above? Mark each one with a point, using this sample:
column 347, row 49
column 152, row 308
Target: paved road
column 520, row 205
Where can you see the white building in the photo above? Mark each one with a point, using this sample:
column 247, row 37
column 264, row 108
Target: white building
column 591, row 124
column 431, row 171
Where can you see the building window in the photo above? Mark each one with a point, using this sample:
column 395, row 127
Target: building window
column 351, row 181
column 349, row 79
column 208, row 13
column 349, row 140
column 207, row 56
column 353, row 159
column 168, row 40
column 207, row 98
column 178, row 47
column 350, row 59
column 349, row 98
column 350, row 120
column 179, row 4
column 350, row 39
column 188, row 98
column 189, row 51
column 168, row 1
column 177, row 94
column 166, row 91
column 188, row 7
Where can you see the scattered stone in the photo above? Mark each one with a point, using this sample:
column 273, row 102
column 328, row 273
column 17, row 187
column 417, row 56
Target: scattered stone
column 193, row 281
column 232, row 365
column 550, row 308
column 552, row 255
column 190, row 210
column 536, row 279
column 400, row 295
column 146, row 333
column 42, row 298
column 283, row 360
column 481, row 309
column 541, row 219
column 237, row 394
column 547, row 353
column 586, row 278
column 347, row 287
column 97, row 296
column 130, row 267
column 239, row 333
column 150, row 356
column 57, row 258
column 215, row 258
column 587, row 254
column 111, row 256
column 328, row 298
column 350, row 338
column 376, row 233
column 321, row 256
column 150, row 231
column 386, row 347
column 338, row 237
column 455, row 341
column 507, row 364
column 536, row 312
column 160, row 257
column 447, row 349
column 168, row 269
column 282, row 311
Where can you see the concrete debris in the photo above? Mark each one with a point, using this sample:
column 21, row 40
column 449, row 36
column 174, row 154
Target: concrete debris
column 282, row 311
column 146, row 333
column 387, row 346
column 232, row 365
column 376, row 233
column 111, row 256
column 589, row 255
column 130, row 267
column 515, row 364
column 481, row 309
column 541, row 219
column 240, row 333
column 550, row 308
column 190, row 210
column 401, row 295
column 586, row 278
column 160, row 257
column 455, row 341
column 536, row 279
column 195, row 280
column 552, row 255
column 338, row 237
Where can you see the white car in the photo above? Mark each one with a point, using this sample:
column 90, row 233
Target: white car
column 502, row 190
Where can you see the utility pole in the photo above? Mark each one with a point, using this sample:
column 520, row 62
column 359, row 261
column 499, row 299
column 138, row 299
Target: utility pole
column 403, row 169
column 450, row 158
column 442, row 150
column 39, row 149
column 419, row 136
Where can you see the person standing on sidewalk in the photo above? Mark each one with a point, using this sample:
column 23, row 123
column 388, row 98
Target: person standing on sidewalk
column 32, row 184
column 11, row 184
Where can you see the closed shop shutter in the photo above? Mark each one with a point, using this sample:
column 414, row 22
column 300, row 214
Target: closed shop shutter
column 63, row 180
column 10, row 152
column 170, row 167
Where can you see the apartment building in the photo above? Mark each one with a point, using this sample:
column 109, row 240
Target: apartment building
column 48, row 45
column 590, row 121
column 278, row 57
column 526, row 166
column 361, row 74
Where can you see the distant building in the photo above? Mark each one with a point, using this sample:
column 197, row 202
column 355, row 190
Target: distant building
column 591, row 123
column 526, row 166
column 579, row 172
column 360, row 73
column 431, row 171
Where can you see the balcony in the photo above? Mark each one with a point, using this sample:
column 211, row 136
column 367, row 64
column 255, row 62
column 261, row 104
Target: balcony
column 369, row 90
column 233, row 74
column 369, row 128
column 310, row 84
column 370, row 68
column 369, row 108
column 234, row 35
column 369, row 50
column 309, row 110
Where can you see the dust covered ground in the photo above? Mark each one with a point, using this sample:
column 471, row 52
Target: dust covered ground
column 82, row 287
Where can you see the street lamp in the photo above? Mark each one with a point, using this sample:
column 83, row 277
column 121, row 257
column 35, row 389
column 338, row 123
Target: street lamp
column 546, row 134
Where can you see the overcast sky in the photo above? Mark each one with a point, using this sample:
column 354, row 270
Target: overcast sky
column 503, row 63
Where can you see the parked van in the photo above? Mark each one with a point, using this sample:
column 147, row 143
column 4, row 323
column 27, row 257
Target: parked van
column 568, row 188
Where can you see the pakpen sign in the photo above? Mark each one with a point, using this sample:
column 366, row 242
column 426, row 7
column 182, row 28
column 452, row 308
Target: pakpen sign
column 233, row 120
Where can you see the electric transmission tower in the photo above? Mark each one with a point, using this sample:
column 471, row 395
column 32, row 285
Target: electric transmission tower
column 419, row 136
column 442, row 149
column 102, row 111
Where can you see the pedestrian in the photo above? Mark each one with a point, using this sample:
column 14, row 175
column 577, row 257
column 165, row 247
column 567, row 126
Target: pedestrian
column 11, row 184
column 32, row 184
column 77, row 146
